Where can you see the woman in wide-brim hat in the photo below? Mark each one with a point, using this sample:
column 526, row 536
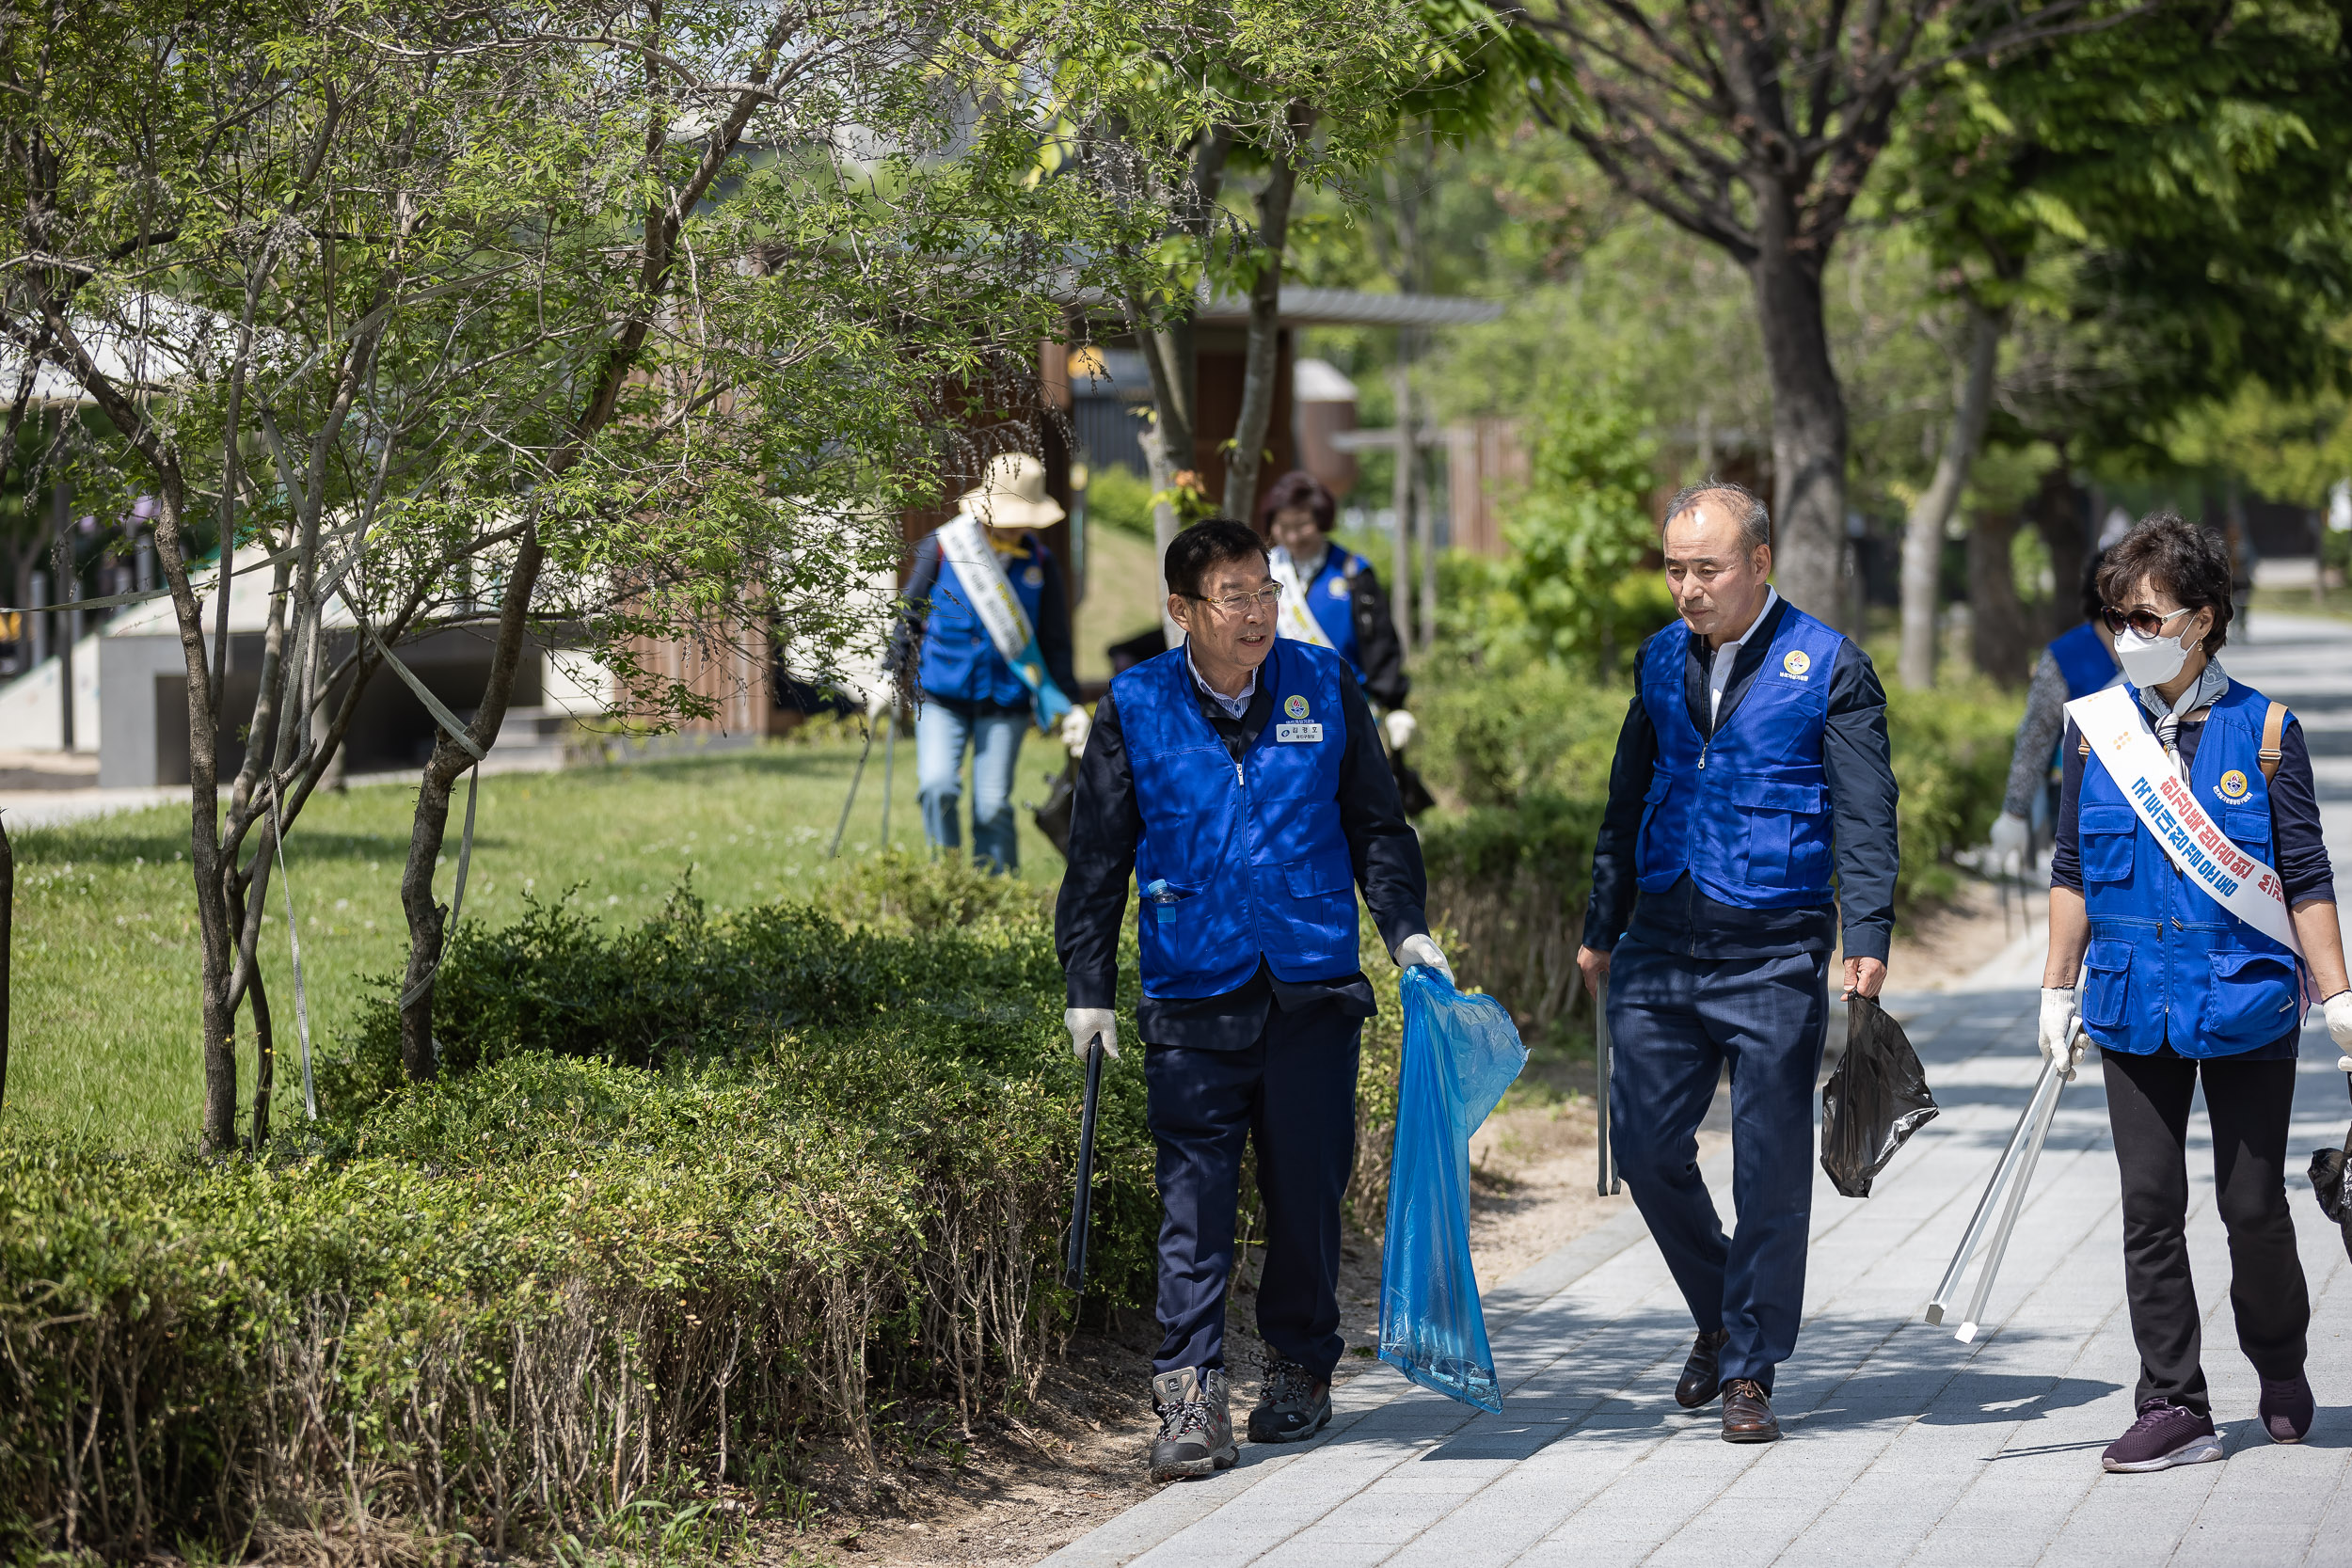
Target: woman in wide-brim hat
column 2178, row 990
column 971, row 699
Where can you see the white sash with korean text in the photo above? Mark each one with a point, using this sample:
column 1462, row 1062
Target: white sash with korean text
column 963, row 546
column 2110, row 720
column 1296, row 622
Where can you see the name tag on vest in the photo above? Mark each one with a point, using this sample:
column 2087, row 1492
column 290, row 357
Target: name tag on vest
column 1286, row 735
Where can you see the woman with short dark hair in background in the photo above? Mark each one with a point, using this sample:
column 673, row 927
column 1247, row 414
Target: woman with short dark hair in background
column 1333, row 598
column 2078, row 661
column 2187, row 975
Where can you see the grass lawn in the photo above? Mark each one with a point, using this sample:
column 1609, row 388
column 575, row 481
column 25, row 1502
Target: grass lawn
column 105, row 1035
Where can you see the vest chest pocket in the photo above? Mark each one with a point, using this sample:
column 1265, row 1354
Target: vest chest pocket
column 1321, row 892
column 2248, row 827
column 2106, row 842
column 2251, row 1001
column 2106, row 984
column 1778, row 853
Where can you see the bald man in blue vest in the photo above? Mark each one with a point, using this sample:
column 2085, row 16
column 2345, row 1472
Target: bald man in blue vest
column 1752, row 768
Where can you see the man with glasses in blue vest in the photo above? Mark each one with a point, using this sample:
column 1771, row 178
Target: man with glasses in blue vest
column 1238, row 782
column 1752, row 766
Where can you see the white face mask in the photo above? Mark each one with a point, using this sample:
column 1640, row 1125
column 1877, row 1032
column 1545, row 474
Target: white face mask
column 2150, row 661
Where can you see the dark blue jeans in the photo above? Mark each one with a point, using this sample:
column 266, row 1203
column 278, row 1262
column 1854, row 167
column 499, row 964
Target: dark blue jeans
column 1675, row 1023
column 1293, row 1087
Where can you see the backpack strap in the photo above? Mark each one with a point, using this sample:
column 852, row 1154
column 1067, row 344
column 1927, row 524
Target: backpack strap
column 2274, row 729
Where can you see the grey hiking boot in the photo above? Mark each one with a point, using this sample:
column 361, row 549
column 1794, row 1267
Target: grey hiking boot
column 1292, row 1406
column 1196, row 1424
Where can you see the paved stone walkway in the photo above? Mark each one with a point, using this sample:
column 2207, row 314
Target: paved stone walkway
column 1902, row 1446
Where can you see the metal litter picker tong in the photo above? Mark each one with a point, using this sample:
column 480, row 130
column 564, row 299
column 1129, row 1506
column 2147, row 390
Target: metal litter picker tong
column 1604, row 1054
column 2011, row 1178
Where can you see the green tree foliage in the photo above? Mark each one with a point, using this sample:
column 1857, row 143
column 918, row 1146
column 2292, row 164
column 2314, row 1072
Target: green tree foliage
column 1577, row 534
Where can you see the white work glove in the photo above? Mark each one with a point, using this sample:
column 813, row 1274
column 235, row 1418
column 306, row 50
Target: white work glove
column 1420, row 950
column 2010, row 836
column 2062, row 1031
column 1075, row 727
column 1086, row 1023
column 2339, row 1010
column 878, row 704
column 1401, row 726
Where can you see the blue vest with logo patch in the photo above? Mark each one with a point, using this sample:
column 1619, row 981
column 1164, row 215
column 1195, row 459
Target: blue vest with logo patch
column 2083, row 659
column 958, row 660
column 2167, row 965
column 1252, row 854
column 1331, row 600
column 1747, row 813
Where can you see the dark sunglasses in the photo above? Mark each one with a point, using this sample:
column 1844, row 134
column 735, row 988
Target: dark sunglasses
column 2145, row 622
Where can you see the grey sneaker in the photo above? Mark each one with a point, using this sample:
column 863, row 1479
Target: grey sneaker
column 1292, row 1407
column 1196, row 1424
column 2166, row 1434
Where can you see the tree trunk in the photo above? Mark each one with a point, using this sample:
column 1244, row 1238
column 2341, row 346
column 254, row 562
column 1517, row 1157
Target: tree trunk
column 216, row 938
column 1262, row 362
column 427, row 919
column 1808, row 415
column 1400, row 494
column 1923, row 530
column 2058, row 509
column 2000, row 641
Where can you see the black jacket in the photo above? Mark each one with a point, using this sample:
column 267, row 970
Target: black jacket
column 1106, row 823
column 1378, row 649
column 1857, row 757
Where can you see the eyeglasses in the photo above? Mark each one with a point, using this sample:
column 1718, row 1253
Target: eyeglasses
column 2145, row 622
column 1240, row 604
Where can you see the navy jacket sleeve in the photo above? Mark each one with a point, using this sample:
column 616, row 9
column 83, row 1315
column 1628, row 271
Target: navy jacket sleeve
column 1104, row 825
column 914, row 603
column 2297, row 835
column 1611, row 903
column 1381, row 844
column 1376, row 645
column 1862, row 793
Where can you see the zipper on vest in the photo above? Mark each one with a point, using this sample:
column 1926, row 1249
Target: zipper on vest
column 1703, row 746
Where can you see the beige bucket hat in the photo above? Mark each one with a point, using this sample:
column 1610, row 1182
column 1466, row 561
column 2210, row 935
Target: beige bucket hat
column 1011, row 494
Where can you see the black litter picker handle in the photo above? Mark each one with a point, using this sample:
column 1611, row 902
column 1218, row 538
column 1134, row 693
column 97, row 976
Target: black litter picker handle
column 1082, row 1200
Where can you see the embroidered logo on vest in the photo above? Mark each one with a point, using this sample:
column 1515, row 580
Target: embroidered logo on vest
column 2232, row 786
column 1795, row 663
column 1295, row 705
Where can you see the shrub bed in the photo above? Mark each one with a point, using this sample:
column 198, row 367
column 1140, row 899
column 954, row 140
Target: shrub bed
column 686, row 1196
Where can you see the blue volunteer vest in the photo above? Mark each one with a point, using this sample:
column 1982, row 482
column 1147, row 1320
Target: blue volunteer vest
column 1331, row 600
column 958, row 660
column 1747, row 813
column 1255, row 862
column 2167, row 965
column 2084, row 661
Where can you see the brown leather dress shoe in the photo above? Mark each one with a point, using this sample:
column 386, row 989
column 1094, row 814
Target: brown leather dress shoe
column 1748, row 1413
column 1701, row 1382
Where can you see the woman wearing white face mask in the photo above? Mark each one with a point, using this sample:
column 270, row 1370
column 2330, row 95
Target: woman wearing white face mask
column 2182, row 789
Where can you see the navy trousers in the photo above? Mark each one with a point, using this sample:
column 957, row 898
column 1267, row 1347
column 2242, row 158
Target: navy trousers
column 1675, row 1021
column 1293, row 1087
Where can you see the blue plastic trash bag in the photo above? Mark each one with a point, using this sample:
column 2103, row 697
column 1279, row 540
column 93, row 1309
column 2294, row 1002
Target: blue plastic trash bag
column 1461, row 1054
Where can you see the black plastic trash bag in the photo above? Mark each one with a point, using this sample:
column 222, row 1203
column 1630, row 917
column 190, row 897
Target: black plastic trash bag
column 1461, row 1054
column 2332, row 1182
column 1876, row 1099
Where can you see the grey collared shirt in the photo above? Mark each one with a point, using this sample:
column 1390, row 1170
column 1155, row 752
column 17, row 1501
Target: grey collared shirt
column 1234, row 706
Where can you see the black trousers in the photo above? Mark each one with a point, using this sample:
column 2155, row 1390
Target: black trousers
column 1293, row 1087
column 2248, row 1103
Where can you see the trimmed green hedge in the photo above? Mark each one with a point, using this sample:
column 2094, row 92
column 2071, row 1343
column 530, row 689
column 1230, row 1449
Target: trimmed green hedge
column 687, row 1196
